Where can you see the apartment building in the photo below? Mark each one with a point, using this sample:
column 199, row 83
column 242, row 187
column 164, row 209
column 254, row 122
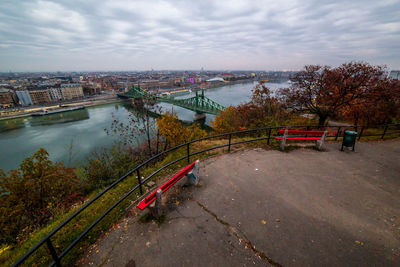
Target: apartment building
column 24, row 98
column 150, row 84
column 40, row 96
column 56, row 94
column 6, row 97
column 71, row 91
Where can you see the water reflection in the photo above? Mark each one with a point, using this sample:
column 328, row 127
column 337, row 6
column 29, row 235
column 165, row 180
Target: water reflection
column 17, row 123
column 12, row 124
column 70, row 116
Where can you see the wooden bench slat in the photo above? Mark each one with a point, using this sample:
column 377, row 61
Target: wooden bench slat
column 302, row 132
column 298, row 138
column 150, row 198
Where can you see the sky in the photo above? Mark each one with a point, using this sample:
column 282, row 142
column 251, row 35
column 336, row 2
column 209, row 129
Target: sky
column 102, row 35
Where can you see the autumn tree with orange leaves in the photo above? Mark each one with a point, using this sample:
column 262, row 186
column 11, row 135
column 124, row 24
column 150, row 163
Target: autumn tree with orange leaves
column 327, row 92
column 380, row 105
column 263, row 110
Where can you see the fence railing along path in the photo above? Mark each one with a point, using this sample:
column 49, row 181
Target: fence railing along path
column 267, row 134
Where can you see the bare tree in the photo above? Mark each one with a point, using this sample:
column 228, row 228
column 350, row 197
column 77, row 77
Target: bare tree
column 141, row 126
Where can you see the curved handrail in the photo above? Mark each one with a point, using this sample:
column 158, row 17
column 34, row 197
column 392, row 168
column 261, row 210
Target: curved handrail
column 47, row 240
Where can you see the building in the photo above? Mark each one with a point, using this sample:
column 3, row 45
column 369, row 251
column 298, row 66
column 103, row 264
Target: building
column 71, row 91
column 150, row 84
column 6, row 98
column 55, row 94
column 24, row 98
column 91, row 90
column 40, row 96
column 216, row 80
column 394, row 74
column 166, row 84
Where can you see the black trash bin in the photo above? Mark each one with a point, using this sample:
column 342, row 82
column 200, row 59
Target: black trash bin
column 349, row 139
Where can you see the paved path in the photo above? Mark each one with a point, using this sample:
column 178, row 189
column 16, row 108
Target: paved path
column 258, row 207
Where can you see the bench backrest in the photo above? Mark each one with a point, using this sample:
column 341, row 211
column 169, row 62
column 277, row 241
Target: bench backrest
column 150, row 198
column 301, row 132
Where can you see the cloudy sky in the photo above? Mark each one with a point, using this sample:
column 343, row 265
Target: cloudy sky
column 140, row 35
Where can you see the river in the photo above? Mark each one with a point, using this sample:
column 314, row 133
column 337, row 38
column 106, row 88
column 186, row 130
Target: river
column 70, row 137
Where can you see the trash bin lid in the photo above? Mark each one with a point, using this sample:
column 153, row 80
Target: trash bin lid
column 350, row 132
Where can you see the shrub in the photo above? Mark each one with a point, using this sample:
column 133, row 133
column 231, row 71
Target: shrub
column 30, row 195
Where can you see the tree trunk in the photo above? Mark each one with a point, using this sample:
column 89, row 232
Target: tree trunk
column 322, row 120
column 158, row 142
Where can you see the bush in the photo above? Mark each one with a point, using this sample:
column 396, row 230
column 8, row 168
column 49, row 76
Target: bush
column 106, row 165
column 30, row 195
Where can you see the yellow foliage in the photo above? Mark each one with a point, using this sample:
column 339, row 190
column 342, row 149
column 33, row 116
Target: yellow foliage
column 174, row 132
column 229, row 120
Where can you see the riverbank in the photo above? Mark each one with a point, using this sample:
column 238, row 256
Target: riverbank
column 84, row 129
column 86, row 103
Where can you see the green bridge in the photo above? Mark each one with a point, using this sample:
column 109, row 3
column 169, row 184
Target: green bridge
column 199, row 103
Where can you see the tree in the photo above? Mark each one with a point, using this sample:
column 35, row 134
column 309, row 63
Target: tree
column 140, row 125
column 229, row 120
column 323, row 91
column 31, row 194
column 268, row 107
column 174, row 132
column 380, row 105
column 263, row 110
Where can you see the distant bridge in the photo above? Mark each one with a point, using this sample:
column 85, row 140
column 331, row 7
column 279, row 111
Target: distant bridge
column 199, row 103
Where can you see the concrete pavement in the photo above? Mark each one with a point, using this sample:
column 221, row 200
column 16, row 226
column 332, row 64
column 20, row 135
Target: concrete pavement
column 265, row 207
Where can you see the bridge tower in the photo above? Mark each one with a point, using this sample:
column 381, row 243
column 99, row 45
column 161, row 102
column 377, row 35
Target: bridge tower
column 199, row 116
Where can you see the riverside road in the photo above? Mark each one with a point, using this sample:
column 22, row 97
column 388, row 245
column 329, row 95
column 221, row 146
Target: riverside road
column 265, row 207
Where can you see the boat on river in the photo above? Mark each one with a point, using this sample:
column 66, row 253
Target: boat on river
column 45, row 112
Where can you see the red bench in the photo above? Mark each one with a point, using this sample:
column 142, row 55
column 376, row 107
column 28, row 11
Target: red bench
column 318, row 136
column 150, row 198
column 309, row 135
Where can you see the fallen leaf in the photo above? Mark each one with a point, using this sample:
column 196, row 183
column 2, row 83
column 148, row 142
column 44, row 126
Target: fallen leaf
column 263, row 222
column 177, row 202
column 359, row 242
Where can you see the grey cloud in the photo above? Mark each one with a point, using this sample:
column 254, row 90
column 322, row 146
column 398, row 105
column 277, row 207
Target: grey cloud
column 119, row 34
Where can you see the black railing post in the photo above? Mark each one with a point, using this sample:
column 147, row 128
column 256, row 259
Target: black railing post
column 188, row 152
column 229, row 146
column 53, row 252
column 337, row 133
column 269, row 135
column 139, row 181
column 361, row 132
column 384, row 132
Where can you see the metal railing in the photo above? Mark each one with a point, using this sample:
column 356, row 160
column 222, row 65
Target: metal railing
column 269, row 134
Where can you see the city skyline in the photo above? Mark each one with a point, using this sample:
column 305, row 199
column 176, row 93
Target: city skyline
column 40, row 36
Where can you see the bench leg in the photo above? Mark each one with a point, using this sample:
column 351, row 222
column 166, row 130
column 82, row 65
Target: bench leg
column 283, row 140
column 155, row 207
column 193, row 176
column 321, row 142
column 192, row 179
